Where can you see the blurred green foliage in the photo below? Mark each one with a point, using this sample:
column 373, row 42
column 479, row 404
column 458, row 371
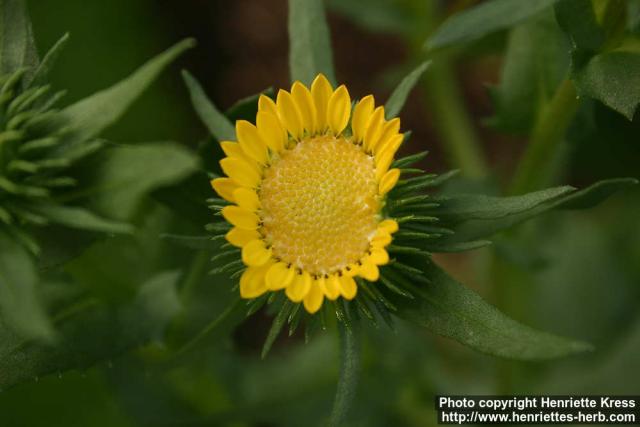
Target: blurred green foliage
column 139, row 301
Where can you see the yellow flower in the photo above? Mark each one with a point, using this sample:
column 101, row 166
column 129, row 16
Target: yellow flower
column 307, row 186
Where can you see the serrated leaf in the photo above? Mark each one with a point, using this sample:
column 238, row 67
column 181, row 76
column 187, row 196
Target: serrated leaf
column 122, row 175
column 309, row 41
column 20, row 306
column 457, row 247
column 448, row 308
column 466, row 207
column 17, row 47
column 92, row 115
column 81, row 219
column 477, row 217
column 399, row 96
column 595, row 194
column 90, row 332
column 219, row 126
column 486, row 18
column 578, row 20
column 612, row 78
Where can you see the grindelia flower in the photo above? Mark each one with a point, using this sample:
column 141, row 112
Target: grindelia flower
column 308, row 193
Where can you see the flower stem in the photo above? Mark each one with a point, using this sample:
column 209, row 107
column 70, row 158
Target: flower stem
column 443, row 95
column 546, row 139
column 452, row 121
column 349, row 371
column 194, row 275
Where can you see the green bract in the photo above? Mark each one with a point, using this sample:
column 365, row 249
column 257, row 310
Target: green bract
column 43, row 186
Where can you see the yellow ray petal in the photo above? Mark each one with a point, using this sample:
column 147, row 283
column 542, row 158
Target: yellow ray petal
column 374, row 129
column 321, row 91
column 306, row 106
column 299, row 287
column 390, row 130
column 388, row 181
column 272, row 131
column 225, row 188
column 339, row 110
column 255, row 254
column 251, row 142
column 351, row 269
column 381, row 239
column 289, row 114
column 239, row 237
column 379, row 256
column 361, row 115
column 279, row 276
column 241, row 171
column 331, row 287
column 390, row 145
column 389, row 225
column 247, row 199
column 267, row 105
column 313, row 300
column 231, row 149
column 241, row 218
column 382, row 164
column 348, row 287
column 369, row 270
column 252, row 282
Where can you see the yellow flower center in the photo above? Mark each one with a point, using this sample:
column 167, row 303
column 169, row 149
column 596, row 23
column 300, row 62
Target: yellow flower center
column 319, row 204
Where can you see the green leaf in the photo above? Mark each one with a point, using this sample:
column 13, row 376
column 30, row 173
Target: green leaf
column 59, row 245
column 94, row 114
column 90, row 332
column 309, row 41
column 219, row 126
column 452, row 310
column 399, row 96
column 17, row 47
column 486, row 18
column 81, row 219
column 19, row 300
column 468, row 207
column 578, row 20
column 42, row 72
column 536, row 61
column 614, row 79
column 382, row 16
column 122, row 175
column 474, row 217
column 595, row 194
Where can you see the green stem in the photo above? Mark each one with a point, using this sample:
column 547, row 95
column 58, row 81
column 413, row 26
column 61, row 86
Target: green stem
column 207, row 329
column 196, row 272
column 349, row 371
column 443, row 95
column 546, row 139
column 452, row 121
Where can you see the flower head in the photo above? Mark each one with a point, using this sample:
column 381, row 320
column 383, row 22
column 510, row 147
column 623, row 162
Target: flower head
column 307, row 186
column 32, row 157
